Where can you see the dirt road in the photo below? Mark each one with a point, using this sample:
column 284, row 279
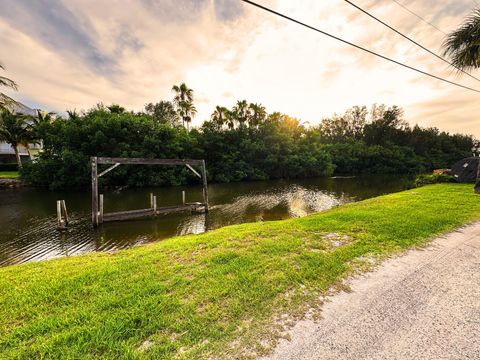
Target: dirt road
column 423, row 305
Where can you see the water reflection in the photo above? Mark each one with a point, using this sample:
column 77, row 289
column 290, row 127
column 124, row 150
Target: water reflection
column 27, row 216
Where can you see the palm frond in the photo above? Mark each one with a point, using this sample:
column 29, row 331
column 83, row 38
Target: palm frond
column 462, row 46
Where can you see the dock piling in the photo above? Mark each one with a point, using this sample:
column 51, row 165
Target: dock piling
column 62, row 216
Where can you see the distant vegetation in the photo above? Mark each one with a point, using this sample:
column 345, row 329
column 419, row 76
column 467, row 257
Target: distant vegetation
column 242, row 143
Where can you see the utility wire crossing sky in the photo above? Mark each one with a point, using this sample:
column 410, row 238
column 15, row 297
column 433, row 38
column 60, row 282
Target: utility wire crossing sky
column 359, row 47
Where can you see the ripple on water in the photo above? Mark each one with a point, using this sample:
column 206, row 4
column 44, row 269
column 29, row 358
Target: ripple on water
column 36, row 238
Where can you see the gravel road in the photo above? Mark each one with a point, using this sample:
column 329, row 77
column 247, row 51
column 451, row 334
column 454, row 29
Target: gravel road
column 423, row 305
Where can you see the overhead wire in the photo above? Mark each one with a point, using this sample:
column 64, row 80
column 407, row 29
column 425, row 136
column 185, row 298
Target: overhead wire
column 357, row 46
column 410, row 39
column 419, row 17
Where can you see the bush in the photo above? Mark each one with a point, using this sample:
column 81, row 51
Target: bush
column 8, row 167
column 426, row 179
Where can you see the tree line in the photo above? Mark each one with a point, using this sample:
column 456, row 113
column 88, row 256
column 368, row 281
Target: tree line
column 245, row 142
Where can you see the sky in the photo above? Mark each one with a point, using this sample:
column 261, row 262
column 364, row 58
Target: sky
column 74, row 54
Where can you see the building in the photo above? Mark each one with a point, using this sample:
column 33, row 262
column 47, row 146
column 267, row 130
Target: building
column 7, row 153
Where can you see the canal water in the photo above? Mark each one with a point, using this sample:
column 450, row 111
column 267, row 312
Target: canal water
column 28, row 216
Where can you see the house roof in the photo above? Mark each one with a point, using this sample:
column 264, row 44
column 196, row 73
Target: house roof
column 16, row 106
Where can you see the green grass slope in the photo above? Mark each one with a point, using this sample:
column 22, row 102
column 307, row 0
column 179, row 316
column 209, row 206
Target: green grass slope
column 205, row 295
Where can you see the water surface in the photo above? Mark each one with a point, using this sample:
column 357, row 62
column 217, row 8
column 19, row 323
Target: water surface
column 28, row 216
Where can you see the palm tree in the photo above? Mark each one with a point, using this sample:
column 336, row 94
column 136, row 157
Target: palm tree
column 258, row 114
column 462, row 46
column 73, row 115
column 116, row 109
column 44, row 117
column 183, row 101
column 241, row 112
column 15, row 129
column 186, row 110
column 231, row 119
column 220, row 116
column 4, row 81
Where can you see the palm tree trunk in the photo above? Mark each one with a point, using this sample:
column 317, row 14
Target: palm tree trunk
column 17, row 156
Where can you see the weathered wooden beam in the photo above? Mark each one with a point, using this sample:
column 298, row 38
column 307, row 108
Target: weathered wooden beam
column 146, row 161
column 136, row 214
column 94, row 163
column 65, row 214
column 108, row 170
column 100, row 215
column 59, row 215
column 153, row 202
column 205, row 185
column 127, row 215
column 193, row 170
column 62, row 217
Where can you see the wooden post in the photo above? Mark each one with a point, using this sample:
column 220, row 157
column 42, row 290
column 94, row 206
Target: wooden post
column 153, row 203
column 59, row 214
column 183, row 197
column 205, row 188
column 100, row 204
column 62, row 216
column 94, row 192
column 65, row 212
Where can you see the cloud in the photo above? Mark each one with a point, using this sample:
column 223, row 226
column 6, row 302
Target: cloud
column 75, row 53
column 58, row 28
column 228, row 10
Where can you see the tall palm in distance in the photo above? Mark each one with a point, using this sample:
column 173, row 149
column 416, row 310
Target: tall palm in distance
column 462, row 46
column 241, row 112
column 183, row 101
column 258, row 114
column 187, row 111
column 220, row 116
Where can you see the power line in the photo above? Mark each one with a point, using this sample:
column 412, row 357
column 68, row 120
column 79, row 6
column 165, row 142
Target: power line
column 410, row 39
column 357, row 46
column 418, row 16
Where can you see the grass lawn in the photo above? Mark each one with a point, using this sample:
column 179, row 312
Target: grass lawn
column 9, row 174
column 209, row 295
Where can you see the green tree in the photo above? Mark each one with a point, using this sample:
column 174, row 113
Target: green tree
column 163, row 112
column 116, row 109
column 15, row 129
column 462, row 45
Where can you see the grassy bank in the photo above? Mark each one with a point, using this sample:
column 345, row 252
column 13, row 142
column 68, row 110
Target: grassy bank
column 207, row 294
column 9, row 174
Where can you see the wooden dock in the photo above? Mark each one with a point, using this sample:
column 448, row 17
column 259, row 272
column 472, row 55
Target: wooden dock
column 143, row 213
column 98, row 215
